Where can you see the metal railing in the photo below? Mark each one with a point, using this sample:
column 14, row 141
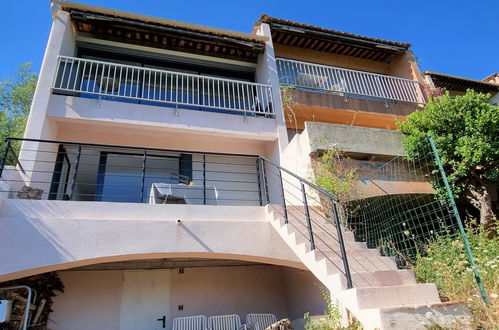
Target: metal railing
column 348, row 82
column 62, row 170
column 74, row 171
column 309, row 210
column 84, row 77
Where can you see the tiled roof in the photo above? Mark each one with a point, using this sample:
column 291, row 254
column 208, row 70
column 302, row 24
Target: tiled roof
column 269, row 19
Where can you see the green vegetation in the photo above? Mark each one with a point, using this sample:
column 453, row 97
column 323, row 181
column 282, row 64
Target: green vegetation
column 444, row 263
column 336, row 174
column 332, row 320
column 16, row 94
column 466, row 133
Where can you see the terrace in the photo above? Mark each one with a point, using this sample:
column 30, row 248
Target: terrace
column 348, row 83
column 108, row 80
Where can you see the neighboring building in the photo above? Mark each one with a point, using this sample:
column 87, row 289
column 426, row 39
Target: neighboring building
column 458, row 85
column 133, row 111
column 493, row 78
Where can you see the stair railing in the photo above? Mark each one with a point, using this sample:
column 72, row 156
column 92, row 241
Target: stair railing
column 308, row 209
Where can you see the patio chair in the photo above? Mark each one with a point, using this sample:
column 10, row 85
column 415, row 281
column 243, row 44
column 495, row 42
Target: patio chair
column 260, row 321
column 197, row 322
column 225, row 322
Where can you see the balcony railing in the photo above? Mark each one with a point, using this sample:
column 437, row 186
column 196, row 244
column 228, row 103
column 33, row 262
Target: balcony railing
column 83, row 77
column 348, row 82
column 61, row 170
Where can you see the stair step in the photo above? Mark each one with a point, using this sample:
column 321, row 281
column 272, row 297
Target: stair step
column 375, row 279
column 421, row 317
column 383, row 296
column 360, row 264
column 325, row 241
column 391, row 296
column 380, row 278
column 397, row 277
column 324, row 226
column 352, row 253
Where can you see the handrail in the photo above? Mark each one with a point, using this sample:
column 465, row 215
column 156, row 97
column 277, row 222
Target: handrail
column 348, row 82
column 160, row 70
column 346, row 69
column 125, row 147
column 305, row 200
column 316, row 187
column 86, row 77
column 57, row 172
column 61, row 170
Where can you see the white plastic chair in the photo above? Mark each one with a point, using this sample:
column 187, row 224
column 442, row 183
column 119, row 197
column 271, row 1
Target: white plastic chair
column 225, row 322
column 197, row 322
column 260, row 321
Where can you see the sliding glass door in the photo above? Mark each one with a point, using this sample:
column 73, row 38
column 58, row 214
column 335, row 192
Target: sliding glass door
column 128, row 177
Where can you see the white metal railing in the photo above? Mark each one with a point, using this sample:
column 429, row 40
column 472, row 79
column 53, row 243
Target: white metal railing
column 346, row 81
column 105, row 79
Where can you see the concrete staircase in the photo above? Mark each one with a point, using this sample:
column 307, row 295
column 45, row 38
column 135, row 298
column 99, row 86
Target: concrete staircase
column 382, row 297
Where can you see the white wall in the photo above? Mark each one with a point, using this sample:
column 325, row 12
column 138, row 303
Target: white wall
column 228, row 290
column 61, row 42
column 12, row 181
column 303, row 293
column 150, row 116
column 54, row 235
column 93, row 299
column 495, row 100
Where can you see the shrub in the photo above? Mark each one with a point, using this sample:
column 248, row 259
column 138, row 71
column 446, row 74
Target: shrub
column 332, row 320
column 445, row 263
column 335, row 173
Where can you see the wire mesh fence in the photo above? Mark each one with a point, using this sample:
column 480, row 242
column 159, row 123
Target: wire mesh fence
column 406, row 202
column 401, row 207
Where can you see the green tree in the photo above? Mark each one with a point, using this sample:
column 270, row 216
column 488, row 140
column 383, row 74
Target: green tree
column 16, row 94
column 466, row 133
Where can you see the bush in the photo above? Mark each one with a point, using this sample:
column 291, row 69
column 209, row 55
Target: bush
column 445, row 263
column 335, row 173
column 332, row 320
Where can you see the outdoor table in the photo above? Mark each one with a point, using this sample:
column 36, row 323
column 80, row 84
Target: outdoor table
column 162, row 193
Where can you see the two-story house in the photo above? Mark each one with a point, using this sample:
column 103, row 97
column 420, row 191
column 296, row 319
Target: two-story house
column 157, row 152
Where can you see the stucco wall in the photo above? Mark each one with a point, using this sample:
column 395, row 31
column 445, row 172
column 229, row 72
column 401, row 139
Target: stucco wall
column 93, row 299
column 54, row 235
column 403, row 65
column 231, row 290
column 354, row 139
column 303, row 293
column 329, row 108
column 12, row 181
column 350, row 62
column 83, row 131
column 150, row 116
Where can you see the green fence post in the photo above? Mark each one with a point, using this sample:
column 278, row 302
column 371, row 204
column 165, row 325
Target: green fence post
column 459, row 222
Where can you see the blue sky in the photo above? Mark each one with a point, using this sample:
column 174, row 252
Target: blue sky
column 455, row 37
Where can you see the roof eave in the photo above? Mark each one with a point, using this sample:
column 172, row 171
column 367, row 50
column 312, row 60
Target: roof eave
column 65, row 6
column 437, row 74
column 295, row 25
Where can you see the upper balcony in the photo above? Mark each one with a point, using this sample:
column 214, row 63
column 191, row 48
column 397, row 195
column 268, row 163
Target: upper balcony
column 140, row 85
column 114, row 69
column 348, row 83
column 343, row 78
